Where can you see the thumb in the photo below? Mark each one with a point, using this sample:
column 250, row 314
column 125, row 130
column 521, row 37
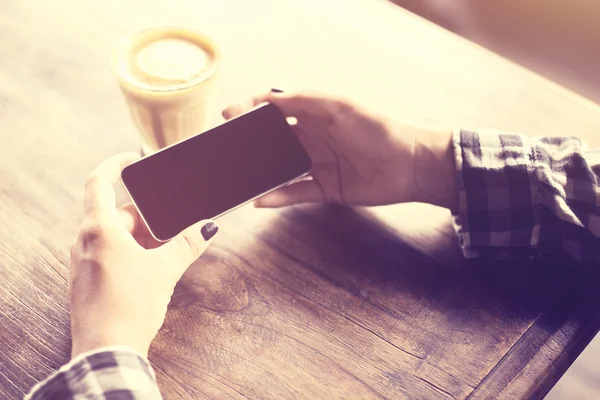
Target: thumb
column 306, row 191
column 190, row 244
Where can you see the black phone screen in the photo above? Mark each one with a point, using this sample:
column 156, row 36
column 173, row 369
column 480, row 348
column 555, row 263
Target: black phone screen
column 211, row 173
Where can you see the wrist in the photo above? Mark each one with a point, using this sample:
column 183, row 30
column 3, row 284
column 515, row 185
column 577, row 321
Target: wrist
column 86, row 343
column 434, row 169
column 81, row 348
column 75, row 358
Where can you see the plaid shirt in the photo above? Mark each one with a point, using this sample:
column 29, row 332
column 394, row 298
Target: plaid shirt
column 524, row 197
column 518, row 197
column 111, row 373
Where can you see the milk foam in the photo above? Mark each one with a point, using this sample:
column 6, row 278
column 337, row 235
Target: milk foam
column 172, row 59
column 164, row 63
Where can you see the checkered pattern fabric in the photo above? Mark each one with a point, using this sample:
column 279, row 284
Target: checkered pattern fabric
column 526, row 197
column 107, row 374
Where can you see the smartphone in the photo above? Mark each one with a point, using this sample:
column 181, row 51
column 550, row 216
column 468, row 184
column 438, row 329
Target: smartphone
column 215, row 172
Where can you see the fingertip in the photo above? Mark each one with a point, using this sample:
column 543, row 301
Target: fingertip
column 190, row 244
column 132, row 154
column 129, row 157
column 209, row 230
column 226, row 113
column 271, row 200
column 131, row 219
column 246, row 105
column 260, row 203
column 128, row 219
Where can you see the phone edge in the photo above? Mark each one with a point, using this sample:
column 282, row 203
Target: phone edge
column 256, row 107
column 213, row 218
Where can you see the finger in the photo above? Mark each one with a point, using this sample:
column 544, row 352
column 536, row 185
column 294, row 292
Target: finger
column 186, row 247
column 136, row 227
column 131, row 218
column 296, row 193
column 100, row 185
column 246, row 105
column 297, row 104
column 291, row 104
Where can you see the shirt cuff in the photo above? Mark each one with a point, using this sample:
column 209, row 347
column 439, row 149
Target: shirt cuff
column 109, row 371
column 495, row 175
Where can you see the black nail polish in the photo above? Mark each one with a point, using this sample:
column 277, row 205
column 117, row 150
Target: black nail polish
column 276, row 91
column 209, row 230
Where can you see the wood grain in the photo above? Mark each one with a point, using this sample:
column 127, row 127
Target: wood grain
column 308, row 302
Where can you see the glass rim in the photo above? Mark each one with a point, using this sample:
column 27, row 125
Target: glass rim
column 124, row 40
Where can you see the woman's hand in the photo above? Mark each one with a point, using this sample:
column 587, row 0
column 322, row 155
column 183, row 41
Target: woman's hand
column 121, row 278
column 359, row 157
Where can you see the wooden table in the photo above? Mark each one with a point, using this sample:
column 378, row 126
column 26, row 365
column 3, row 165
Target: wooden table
column 309, row 302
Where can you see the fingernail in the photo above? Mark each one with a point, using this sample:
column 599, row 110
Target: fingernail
column 209, row 230
column 276, row 91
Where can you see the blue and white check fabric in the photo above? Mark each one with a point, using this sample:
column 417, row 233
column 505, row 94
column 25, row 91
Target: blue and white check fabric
column 117, row 373
column 527, row 197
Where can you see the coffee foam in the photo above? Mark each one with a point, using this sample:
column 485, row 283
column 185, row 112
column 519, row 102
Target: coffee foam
column 165, row 62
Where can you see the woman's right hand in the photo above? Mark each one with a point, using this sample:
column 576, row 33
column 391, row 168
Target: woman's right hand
column 360, row 157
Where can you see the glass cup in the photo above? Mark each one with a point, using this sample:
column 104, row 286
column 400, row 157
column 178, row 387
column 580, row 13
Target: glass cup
column 168, row 76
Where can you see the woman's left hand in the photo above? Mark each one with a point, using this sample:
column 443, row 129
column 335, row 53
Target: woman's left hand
column 121, row 278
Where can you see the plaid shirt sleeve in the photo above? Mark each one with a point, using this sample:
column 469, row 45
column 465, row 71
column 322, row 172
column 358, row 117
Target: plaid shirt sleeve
column 526, row 197
column 118, row 373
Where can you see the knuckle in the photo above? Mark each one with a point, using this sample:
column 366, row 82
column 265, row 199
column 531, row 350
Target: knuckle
column 92, row 180
column 90, row 233
column 342, row 106
column 308, row 93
